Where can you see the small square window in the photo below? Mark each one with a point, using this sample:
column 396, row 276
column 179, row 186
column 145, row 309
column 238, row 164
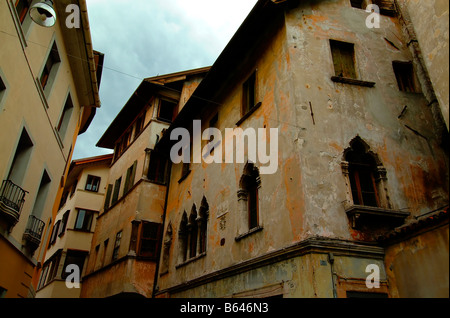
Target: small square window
column 167, row 110
column 92, row 183
column 84, row 220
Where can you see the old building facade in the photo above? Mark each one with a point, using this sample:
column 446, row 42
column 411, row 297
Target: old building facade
column 71, row 235
column 361, row 152
column 342, row 125
column 125, row 246
column 47, row 98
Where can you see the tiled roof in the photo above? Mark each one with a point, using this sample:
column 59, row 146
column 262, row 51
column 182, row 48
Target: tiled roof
column 420, row 223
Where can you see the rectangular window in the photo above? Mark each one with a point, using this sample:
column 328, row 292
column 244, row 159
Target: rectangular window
column 65, row 117
column 115, row 196
column 84, row 220
column 92, row 183
column 343, row 59
column 55, row 232
column 117, row 246
column 21, row 159
column 150, row 234
column 139, row 126
column 22, row 8
column 387, row 7
column 108, row 197
column 74, row 258
column 167, row 110
column 248, row 94
column 50, row 67
column 62, row 228
column 157, row 171
column 129, row 180
column 359, row 4
column 404, row 73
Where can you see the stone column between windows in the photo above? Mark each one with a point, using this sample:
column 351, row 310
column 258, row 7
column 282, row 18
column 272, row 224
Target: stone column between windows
column 242, row 226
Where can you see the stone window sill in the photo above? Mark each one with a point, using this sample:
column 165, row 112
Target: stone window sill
column 250, row 232
column 352, row 81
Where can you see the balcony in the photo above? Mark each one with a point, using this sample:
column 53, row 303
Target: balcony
column 12, row 198
column 367, row 216
column 33, row 232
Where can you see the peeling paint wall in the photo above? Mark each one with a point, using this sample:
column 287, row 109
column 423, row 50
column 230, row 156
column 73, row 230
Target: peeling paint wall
column 307, row 196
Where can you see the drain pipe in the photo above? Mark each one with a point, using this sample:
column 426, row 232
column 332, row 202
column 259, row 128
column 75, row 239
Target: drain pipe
column 333, row 274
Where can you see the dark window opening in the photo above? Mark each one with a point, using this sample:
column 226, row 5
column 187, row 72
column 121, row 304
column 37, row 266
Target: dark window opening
column 158, row 167
column 343, row 59
column 248, row 94
column 22, row 8
column 359, row 4
column 51, row 62
column 115, row 196
column 65, row 117
column 362, row 174
column 193, row 234
column 404, row 73
column 150, row 234
column 167, row 110
column 73, row 258
column 117, row 246
column 387, row 7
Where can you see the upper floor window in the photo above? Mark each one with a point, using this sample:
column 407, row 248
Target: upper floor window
column 149, row 237
column 65, row 117
column 167, row 110
column 362, row 170
column 249, row 94
column 404, row 73
column 22, row 8
column 117, row 246
column 92, row 183
column 84, row 220
column 248, row 196
column 50, row 68
column 158, row 166
column 343, row 59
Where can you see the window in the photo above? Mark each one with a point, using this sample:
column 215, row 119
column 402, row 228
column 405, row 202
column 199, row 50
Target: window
column 84, row 220
column 117, row 246
column 108, row 197
column 3, row 292
column 250, row 184
column 22, row 8
column 248, row 94
column 387, row 7
column 139, row 126
column 157, row 170
column 359, row 4
column 362, row 169
column 54, row 233
column 63, row 225
column 129, row 180
column 149, row 237
column 21, row 158
column 193, row 233
column 343, row 59
column 167, row 110
column 50, row 68
column 115, row 196
column 92, row 183
column 203, row 225
column 183, row 235
column 404, row 73
column 65, row 117
column 2, row 89
column 73, row 258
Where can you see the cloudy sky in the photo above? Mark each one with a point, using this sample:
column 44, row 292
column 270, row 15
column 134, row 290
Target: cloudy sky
column 144, row 38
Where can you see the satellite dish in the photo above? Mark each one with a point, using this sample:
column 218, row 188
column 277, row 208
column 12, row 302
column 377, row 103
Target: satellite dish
column 43, row 13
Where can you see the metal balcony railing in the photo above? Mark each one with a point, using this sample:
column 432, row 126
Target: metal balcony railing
column 12, row 198
column 33, row 231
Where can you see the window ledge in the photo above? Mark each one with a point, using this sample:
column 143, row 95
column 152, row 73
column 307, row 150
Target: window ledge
column 193, row 259
column 352, row 81
column 250, row 232
column 251, row 111
column 357, row 213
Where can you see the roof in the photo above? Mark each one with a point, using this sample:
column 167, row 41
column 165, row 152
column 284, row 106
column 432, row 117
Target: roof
column 426, row 221
column 148, row 88
column 234, row 61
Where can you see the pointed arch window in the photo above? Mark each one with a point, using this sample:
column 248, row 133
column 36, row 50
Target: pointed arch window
column 248, row 196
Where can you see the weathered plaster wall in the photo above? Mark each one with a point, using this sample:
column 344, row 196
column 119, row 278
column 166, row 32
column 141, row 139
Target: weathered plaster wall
column 305, row 197
column 418, row 267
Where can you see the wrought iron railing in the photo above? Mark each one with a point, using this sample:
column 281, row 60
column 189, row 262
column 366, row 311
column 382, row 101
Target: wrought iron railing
column 34, row 229
column 12, row 196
